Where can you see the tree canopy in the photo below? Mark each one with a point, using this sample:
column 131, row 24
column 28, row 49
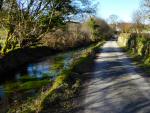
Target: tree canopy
column 29, row 20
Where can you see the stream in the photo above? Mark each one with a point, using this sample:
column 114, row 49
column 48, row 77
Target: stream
column 32, row 77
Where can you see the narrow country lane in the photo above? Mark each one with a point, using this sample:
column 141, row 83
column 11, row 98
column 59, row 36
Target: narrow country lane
column 116, row 86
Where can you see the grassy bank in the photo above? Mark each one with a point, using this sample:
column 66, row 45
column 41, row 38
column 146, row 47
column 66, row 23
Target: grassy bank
column 138, row 47
column 58, row 98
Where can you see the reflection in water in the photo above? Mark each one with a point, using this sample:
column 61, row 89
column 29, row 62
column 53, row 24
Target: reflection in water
column 51, row 67
column 2, row 94
column 38, row 69
column 46, row 67
column 3, row 100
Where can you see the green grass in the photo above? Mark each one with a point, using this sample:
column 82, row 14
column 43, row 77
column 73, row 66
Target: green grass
column 58, row 63
column 3, row 33
column 25, row 86
column 27, row 78
column 33, row 85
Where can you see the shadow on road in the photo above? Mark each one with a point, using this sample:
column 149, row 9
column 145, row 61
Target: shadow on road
column 114, row 86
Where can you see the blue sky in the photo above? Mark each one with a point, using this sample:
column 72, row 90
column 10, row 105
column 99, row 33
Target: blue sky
column 122, row 8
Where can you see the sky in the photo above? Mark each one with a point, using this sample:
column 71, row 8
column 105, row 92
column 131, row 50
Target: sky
column 122, row 8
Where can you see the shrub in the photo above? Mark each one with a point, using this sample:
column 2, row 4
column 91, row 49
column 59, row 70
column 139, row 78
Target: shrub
column 75, row 34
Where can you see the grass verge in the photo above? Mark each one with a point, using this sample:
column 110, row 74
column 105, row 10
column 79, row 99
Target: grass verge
column 137, row 47
column 138, row 60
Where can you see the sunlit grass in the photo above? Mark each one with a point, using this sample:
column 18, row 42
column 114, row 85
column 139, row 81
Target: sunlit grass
column 18, row 86
column 33, row 85
column 3, row 34
column 58, row 63
column 27, row 78
column 26, row 83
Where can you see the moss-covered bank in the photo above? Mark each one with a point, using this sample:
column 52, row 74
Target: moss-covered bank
column 138, row 46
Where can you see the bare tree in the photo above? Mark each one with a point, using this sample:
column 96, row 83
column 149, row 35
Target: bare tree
column 86, row 9
column 146, row 7
column 113, row 20
column 137, row 19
